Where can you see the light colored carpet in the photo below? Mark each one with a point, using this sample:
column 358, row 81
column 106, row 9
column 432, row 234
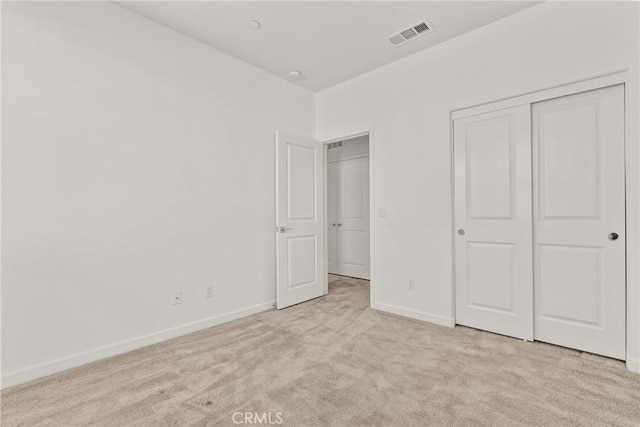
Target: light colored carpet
column 334, row 361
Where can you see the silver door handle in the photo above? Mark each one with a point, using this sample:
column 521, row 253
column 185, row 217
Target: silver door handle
column 461, row 231
column 283, row 229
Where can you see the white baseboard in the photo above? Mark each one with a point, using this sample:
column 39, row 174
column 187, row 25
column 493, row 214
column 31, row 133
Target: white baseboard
column 17, row 377
column 418, row 315
column 633, row 365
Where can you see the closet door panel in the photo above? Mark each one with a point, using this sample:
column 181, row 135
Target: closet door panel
column 579, row 200
column 353, row 218
column 493, row 240
column 332, row 217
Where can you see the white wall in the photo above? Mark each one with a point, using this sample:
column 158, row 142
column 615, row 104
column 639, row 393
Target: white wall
column 408, row 105
column 136, row 162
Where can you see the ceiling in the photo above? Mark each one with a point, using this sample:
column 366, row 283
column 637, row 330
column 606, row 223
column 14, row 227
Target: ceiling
column 327, row 41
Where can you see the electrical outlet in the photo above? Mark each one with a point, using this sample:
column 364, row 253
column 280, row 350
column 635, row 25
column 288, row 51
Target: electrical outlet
column 412, row 285
column 208, row 291
column 177, row 298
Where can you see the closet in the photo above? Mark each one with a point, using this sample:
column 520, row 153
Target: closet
column 540, row 221
column 348, row 208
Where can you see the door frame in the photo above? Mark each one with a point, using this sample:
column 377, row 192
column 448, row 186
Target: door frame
column 344, row 137
column 632, row 185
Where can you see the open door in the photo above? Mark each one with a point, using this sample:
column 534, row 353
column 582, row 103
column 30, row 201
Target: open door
column 300, row 270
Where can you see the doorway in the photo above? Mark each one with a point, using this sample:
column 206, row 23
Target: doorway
column 302, row 249
column 348, row 208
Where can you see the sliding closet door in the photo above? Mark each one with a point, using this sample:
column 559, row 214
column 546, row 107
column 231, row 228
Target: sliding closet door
column 494, row 284
column 579, row 200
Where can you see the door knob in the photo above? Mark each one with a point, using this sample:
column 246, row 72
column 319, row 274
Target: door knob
column 613, row 236
column 283, row 229
column 461, row 231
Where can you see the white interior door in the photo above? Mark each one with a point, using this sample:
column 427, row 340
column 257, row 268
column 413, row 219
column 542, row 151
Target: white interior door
column 493, row 209
column 579, row 200
column 353, row 217
column 300, row 272
column 332, row 217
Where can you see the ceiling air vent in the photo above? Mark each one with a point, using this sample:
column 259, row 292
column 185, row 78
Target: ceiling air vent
column 410, row 33
column 334, row 145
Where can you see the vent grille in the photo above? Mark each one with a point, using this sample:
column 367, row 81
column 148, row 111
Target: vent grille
column 421, row 28
column 410, row 33
column 334, row 145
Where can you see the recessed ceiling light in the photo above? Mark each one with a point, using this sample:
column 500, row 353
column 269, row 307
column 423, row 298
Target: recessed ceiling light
column 294, row 75
column 254, row 24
